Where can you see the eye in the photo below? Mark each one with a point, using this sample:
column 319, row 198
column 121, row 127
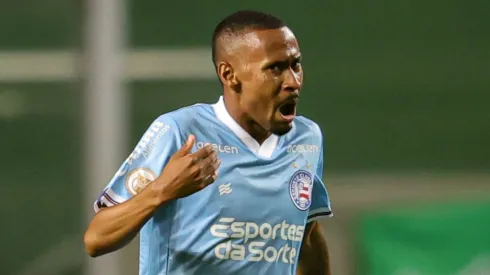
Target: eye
column 296, row 65
column 275, row 68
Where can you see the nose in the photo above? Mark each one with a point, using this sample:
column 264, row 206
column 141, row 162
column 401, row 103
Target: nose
column 292, row 80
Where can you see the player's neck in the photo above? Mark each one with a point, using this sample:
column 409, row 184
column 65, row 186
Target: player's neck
column 257, row 132
column 250, row 126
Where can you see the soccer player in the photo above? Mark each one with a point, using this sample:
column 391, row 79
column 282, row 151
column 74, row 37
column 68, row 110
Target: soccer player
column 229, row 188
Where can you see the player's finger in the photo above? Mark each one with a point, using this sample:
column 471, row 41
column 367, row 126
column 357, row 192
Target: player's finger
column 202, row 153
column 204, row 166
column 209, row 159
column 216, row 165
column 186, row 148
column 210, row 167
column 208, row 180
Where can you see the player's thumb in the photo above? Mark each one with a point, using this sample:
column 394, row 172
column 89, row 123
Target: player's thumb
column 187, row 147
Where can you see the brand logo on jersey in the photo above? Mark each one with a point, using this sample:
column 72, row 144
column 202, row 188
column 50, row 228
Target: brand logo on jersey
column 138, row 179
column 219, row 147
column 302, row 148
column 249, row 238
column 149, row 141
column 225, row 189
column 300, row 189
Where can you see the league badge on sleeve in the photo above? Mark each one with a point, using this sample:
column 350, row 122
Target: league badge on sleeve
column 138, row 179
column 300, row 189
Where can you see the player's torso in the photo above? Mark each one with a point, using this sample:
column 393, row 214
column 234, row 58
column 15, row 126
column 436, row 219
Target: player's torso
column 251, row 220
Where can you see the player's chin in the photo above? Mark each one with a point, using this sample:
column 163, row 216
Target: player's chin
column 280, row 128
column 282, row 122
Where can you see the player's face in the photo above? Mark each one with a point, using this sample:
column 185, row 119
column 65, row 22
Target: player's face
column 271, row 77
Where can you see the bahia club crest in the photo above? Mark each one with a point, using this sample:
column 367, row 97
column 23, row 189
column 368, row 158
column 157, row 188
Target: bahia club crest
column 300, row 188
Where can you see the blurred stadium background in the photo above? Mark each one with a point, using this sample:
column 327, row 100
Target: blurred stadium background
column 401, row 89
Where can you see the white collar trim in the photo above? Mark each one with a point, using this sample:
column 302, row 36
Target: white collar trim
column 265, row 150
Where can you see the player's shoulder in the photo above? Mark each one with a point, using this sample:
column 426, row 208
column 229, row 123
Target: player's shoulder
column 307, row 126
column 187, row 116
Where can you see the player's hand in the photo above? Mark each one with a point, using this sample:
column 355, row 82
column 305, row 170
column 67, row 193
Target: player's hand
column 187, row 173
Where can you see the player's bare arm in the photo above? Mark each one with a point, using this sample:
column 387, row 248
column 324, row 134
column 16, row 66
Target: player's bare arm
column 185, row 174
column 313, row 257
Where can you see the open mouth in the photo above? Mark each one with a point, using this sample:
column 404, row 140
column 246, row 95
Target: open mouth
column 288, row 110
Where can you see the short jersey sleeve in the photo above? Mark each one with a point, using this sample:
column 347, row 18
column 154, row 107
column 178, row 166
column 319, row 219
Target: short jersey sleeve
column 160, row 141
column 320, row 202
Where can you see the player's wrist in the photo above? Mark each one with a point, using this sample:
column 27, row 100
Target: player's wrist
column 160, row 194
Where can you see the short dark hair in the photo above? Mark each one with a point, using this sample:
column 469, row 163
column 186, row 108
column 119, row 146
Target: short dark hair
column 241, row 21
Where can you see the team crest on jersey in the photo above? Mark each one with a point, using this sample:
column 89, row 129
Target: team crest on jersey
column 300, row 189
column 138, row 179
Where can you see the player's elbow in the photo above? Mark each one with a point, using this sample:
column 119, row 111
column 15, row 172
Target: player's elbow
column 91, row 244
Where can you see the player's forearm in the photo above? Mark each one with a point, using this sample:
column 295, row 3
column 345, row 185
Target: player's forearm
column 114, row 227
column 313, row 257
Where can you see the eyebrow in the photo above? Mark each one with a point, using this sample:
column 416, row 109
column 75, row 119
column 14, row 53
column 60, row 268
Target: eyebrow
column 294, row 58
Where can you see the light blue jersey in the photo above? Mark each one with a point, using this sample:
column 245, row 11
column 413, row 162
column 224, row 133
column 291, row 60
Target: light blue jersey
column 251, row 220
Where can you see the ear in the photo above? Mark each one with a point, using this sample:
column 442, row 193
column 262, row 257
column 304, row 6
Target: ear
column 227, row 75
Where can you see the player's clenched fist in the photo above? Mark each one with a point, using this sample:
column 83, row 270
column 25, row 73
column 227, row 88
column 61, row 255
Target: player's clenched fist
column 187, row 173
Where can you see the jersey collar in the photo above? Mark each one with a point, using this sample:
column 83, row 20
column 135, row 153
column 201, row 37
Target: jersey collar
column 265, row 150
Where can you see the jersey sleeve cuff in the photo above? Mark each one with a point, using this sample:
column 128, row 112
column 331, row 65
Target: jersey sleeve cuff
column 319, row 213
column 108, row 198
